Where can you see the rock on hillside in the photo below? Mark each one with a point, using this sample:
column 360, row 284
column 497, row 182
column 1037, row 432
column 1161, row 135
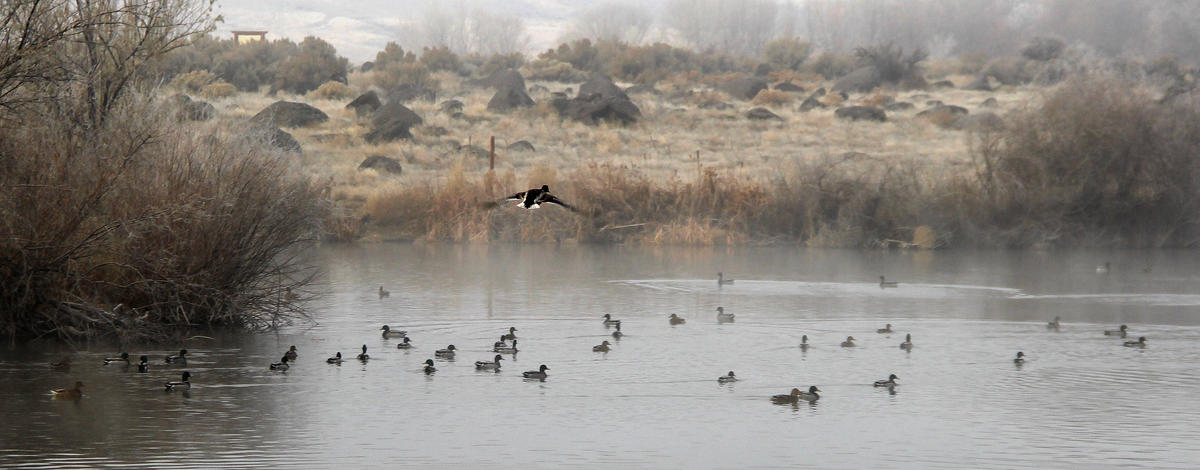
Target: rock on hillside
column 289, row 114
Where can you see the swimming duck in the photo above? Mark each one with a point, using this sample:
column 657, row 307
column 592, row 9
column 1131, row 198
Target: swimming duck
column 675, row 320
column 1122, row 331
column 618, row 334
column 388, row 332
column 500, row 344
column 281, row 365
column 512, row 334
column 1104, row 268
column 886, row 329
column 124, row 357
column 1053, row 324
column 143, row 364
column 534, row 198
column 383, row 293
column 890, row 382
column 493, row 365
column 429, row 368
column 804, row 342
column 721, row 279
column 1140, row 343
column 907, row 344
column 63, row 365
column 797, row 395
column 406, row 344
column 179, row 359
column 69, row 393
column 849, row 342
column 883, row 282
column 727, row 378
column 335, row 359
column 185, row 384
column 811, row 394
column 536, row 374
column 291, row 354
column 608, row 321
column 722, row 316
column 1020, row 359
column 448, row 352
column 507, row 350
column 364, row 356
column 602, row 347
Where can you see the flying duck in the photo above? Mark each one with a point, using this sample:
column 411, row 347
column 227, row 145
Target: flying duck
column 721, row 279
column 179, row 359
column 291, row 354
column 448, row 352
column 618, row 334
column 602, row 347
column 534, row 198
column 536, row 374
column 363, row 357
column 185, row 384
column 849, row 342
column 1122, row 331
column 727, row 378
column 383, row 293
column 124, row 357
column 907, row 344
column 406, row 344
column 1053, row 324
column 281, row 365
column 507, row 349
column 890, row 382
column 883, row 282
column 512, row 334
column 335, row 359
column 608, row 321
column 493, row 365
column 1020, row 359
column 722, row 316
column 1140, row 343
column 886, row 329
column 804, row 342
column 388, row 332
column 69, row 393
column 429, row 368
column 676, row 320
column 143, row 364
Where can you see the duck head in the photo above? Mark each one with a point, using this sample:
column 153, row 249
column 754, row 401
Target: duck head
column 144, row 359
column 125, row 356
column 182, row 352
column 499, row 358
column 804, row 339
column 1142, row 339
column 813, row 389
column 850, row 339
column 284, row 360
column 450, row 347
column 186, row 376
column 796, row 392
column 339, row 355
column 543, row 368
column 545, row 188
column 908, row 337
column 720, row 309
column 429, row 362
column 364, row 349
column 407, row 339
column 607, row 316
column 892, row 377
column 386, row 328
column 512, row 329
column 605, row 343
column 731, row 374
column 1020, row 354
column 292, row 349
column 1124, row 327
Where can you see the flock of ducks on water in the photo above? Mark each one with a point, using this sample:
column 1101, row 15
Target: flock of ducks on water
column 508, row 342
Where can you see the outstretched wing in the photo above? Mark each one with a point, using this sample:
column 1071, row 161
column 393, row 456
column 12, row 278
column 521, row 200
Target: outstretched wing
column 494, row 204
column 516, row 197
column 550, row 199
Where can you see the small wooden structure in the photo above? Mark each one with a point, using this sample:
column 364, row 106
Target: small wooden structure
column 245, row 36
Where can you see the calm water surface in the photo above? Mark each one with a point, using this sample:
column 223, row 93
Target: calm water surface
column 1081, row 400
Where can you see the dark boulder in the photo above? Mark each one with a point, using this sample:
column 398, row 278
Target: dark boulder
column 289, row 114
column 382, row 163
column 365, row 104
column 811, row 103
column 861, row 113
column 450, row 107
column 763, row 69
column 762, row 114
column 980, row 84
column 819, row 92
column 744, row 88
column 503, row 80
column 944, row 108
column 521, row 146
column 391, row 122
column 600, row 84
column 506, row 100
column 989, row 103
column 861, row 80
column 366, row 67
column 789, row 87
column 594, row 109
column 1043, row 49
column 899, row 106
column 934, row 103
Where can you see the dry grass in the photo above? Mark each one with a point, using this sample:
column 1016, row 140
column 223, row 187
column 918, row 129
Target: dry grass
column 773, row 98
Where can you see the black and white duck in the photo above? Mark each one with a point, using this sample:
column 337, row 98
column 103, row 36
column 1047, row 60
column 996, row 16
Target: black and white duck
column 534, row 198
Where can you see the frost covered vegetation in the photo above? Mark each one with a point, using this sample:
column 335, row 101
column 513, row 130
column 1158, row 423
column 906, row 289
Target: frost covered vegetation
column 147, row 180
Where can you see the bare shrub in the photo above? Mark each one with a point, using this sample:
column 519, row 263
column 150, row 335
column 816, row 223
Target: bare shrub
column 316, row 63
column 890, row 61
column 218, row 90
column 193, row 82
column 786, row 53
column 773, row 98
column 552, row 70
column 440, row 58
column 331, row 91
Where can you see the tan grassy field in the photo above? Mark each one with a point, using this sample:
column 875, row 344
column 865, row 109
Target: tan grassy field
column 661, row 148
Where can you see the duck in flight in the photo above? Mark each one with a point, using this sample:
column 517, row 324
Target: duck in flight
column 534, row 198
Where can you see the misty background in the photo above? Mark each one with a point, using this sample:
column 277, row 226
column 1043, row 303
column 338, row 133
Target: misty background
column 358, row 29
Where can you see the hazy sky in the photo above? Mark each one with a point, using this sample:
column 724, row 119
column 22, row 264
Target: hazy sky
column 360, row 28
